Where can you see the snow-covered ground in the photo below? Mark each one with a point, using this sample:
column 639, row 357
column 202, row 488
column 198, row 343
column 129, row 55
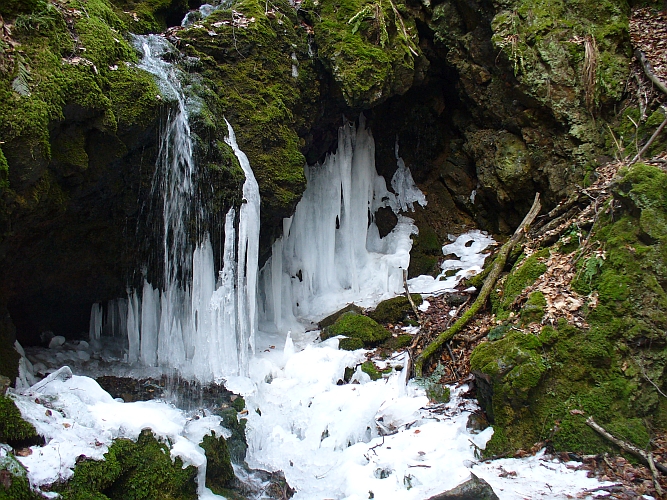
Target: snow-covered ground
column 332, row 441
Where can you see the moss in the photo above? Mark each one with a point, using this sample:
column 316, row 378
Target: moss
column 350, row 344
column 530, row 384
column 370, row 48
column 357, row 326
column 394, row 310
column 15, row 485
column 369, row 368
column 533, row 309
column 398, row 342
column 12, row 426
column 219, row 471
column 236, row 443
column 133, row 470
column 4, row 171
column 247, row 76
column 238, row 404
column 524, row 273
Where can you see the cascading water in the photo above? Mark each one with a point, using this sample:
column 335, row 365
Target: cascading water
column 190, row 323
column 329, row 254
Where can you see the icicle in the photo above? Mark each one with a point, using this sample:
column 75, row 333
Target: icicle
column 95, row 331
column 329, row 255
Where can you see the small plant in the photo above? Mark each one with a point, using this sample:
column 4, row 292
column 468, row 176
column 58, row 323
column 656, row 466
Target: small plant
column 435, row 390
column 373, row 12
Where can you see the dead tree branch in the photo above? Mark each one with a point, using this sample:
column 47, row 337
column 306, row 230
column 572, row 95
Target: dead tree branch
column 498, row 265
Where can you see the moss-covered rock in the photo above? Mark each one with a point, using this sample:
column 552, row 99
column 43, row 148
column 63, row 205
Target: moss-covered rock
column 140, row 470
column 350, row 344
column 394, row 310
column 359, row 327
column 371, row 48
column 219, row 471
column 13, row 429
column 14, row 484
column 236, row 443
column 542, row 387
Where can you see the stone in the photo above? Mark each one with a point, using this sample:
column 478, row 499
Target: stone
column 473, row 489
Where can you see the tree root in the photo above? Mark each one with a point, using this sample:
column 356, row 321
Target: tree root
column 489, row 283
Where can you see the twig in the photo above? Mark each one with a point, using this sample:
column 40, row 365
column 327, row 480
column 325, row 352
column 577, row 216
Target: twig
column 498, row 265
column 654, row 472
column 407, row 294
column 648, row 70
column 630, row 448
column 451, row 353
column 650, row 141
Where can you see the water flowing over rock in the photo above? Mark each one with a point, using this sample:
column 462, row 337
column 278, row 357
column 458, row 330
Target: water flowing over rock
column 201, row 326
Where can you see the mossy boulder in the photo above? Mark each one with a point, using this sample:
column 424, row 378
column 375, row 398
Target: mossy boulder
column 219, row 470
column 542, row 387
column 331, row 319
column 395, row 310
column 140, row 470
column 357, row 326
column 371, row 48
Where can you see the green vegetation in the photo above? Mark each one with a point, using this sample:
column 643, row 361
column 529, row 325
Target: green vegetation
column 542, row 387
column 370, row 48
column 133, row 471
column 219, row 471
column 249, row 76
column 394, row 310
column 357, row 326
column 12, row 426
column 15, row 485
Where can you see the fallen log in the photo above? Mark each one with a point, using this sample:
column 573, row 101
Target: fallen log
column 489, row 283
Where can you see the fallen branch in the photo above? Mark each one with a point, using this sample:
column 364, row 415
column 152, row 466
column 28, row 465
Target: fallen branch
column 498, row 265
column 407, row 294
column 650, row 141
column 630, row 448
column 648, row 70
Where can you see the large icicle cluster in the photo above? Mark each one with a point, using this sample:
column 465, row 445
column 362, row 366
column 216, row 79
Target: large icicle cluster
column 200, row 327
column 331, row 252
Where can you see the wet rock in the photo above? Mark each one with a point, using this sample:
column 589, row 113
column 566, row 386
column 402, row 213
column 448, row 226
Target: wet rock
column 473, row 489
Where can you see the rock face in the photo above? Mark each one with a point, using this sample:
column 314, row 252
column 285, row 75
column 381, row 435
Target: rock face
column 488, row 102
column 473, row 489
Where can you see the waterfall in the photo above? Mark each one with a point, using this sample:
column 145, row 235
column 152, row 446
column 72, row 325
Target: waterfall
column 331, row 252
column 202, row 326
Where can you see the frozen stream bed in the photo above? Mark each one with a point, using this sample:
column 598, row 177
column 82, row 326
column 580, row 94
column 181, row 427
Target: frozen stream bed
column 332, row 441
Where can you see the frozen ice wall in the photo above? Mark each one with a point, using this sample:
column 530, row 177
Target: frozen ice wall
column 331, row 252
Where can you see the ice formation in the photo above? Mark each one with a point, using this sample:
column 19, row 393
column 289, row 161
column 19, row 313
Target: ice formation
column 331, row 252
column 469, row 248
column 192, row 324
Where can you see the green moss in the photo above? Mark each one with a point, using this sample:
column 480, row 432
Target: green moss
column 533, row 309
column 238, row 404
column 236, row 443
column 350, row 344
column 369, row 368
column 247, row 76
column 12, row 426
column 524, row 273
column 398, row 342
column 530, row 385
column 370, row 48
column 219, row 471
column 4, row 171
column 18, row 486
column 394, row 310
column 133, row 471
column 357, row 326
